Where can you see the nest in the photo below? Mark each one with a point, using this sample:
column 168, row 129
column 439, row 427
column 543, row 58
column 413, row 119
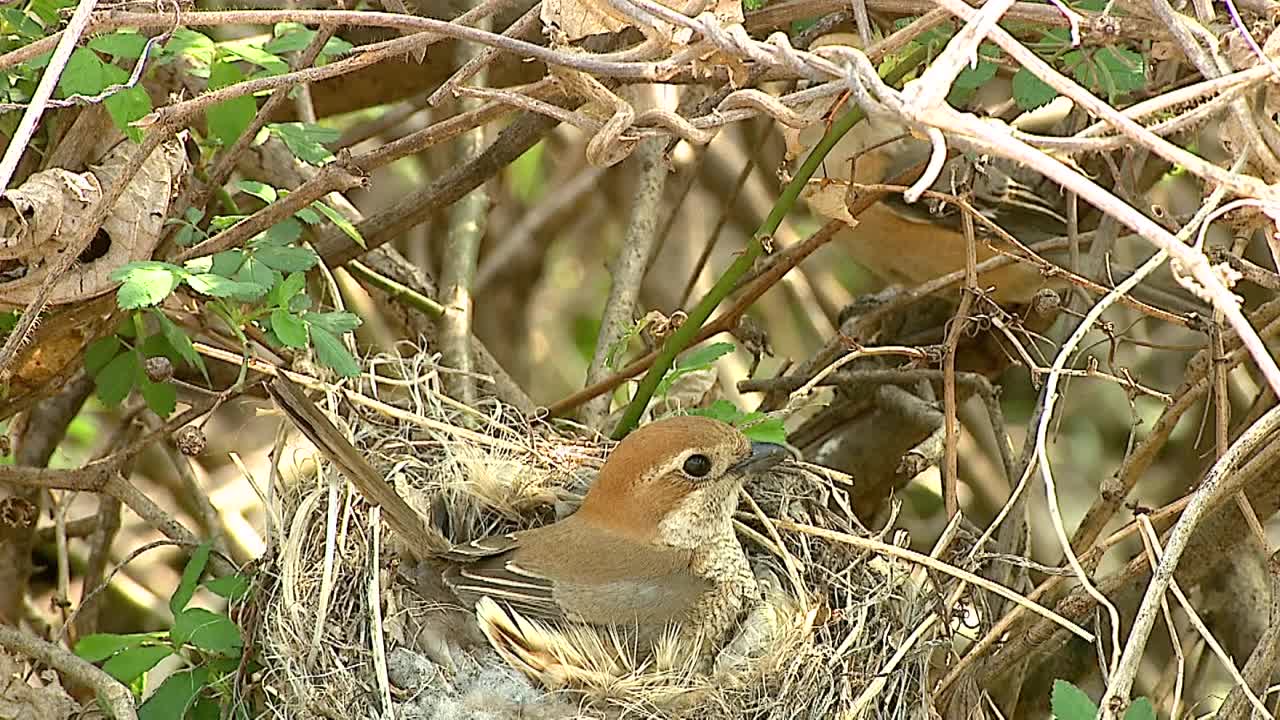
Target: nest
column 343, row 635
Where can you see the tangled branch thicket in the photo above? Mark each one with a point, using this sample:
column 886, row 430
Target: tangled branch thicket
column 1006, row 272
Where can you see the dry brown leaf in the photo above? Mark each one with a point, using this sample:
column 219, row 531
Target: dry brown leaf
column 38, row 216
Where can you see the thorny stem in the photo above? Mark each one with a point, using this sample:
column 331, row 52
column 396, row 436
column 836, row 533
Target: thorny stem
column 683, row 336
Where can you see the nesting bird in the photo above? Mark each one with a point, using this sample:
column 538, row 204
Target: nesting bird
column 651, row 547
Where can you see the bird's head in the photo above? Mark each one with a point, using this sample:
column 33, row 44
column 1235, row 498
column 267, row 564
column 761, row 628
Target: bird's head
column 675, row 480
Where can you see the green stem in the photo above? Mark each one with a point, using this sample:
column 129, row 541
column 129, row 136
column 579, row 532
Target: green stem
column 688, row 330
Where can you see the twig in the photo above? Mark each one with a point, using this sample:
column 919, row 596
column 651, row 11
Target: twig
column 628, row 268
column 939, row 566
column 1121, row 682
column 21, row 138
column 468, row 219
column 116, row 697
column 1257, row 670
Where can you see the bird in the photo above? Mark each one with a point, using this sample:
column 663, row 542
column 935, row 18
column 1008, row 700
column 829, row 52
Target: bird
column 651, row 548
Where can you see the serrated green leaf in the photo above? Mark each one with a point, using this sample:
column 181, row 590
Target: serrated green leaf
column 285, row 232
column 260, row 190
column 332, row 353
column 130, row 664
column 123, row 44
column 770, row 430
column 209, row 631
column 1030, row 92
column 99, row 353
column 1069, row 702
column 343, row 224
column 227, row 263
column 220, row 287
column 100, row 646
column 691, row 361
column 84, row 74
column 162, row 398
column 249, row 52
column 228, row 118
column 231, row 587
column 181, row 343
column 145, row 284
column 195, row 46
column 289, row 328
column 972, row 78
column 157, row 345
column 287, row 259
column 178, row 692
column 125, row 105
column 190, row 577
column 335, row 322
column 287, row 290
column 1140, row 709
column 255, row 272
column 118, row 377
column 306, row 140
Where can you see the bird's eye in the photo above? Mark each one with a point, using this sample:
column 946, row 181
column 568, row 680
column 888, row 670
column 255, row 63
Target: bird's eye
column 697, row 466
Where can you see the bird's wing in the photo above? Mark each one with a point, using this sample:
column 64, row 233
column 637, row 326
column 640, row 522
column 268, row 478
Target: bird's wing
column 571, row 569
column 485, row 567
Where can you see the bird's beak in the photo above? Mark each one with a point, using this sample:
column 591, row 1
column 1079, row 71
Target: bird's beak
column 763, row 456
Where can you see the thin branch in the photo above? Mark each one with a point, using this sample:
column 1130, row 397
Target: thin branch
column 115, row 696
column 628, row 268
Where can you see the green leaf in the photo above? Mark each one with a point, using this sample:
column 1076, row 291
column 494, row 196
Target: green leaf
column 209, row 631
column 254, row 272
column 337, row 219
column 178, row 692
column 332, row 353
column 287, row 290
column 1111, row 71
column 289, row 328
column 249, row 52
column 306, row 140
column 162, row 398
column 972, row 78
column 228, row 118
column 190, row 577
column 527, row 174
column 335, row 322
column 287, row 259
column 755, row 425
column 123, row 44
column 100, row 646
column 84, row 74
column 262, row 191
column 181, row 343
column 195, row 46
column 220, row 287
column 1071, row 703
column 227, row 263
column 118, row 378
column 692, row 361
column 292, row 37
column 231, row 587
column 130, row 664
column 145, row 283
column 1140, row 709
column 99, row 353
column 126, row 105
column 1029, row 91
column 285, row 232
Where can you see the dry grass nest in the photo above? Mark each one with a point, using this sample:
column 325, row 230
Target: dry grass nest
column 340, row 634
